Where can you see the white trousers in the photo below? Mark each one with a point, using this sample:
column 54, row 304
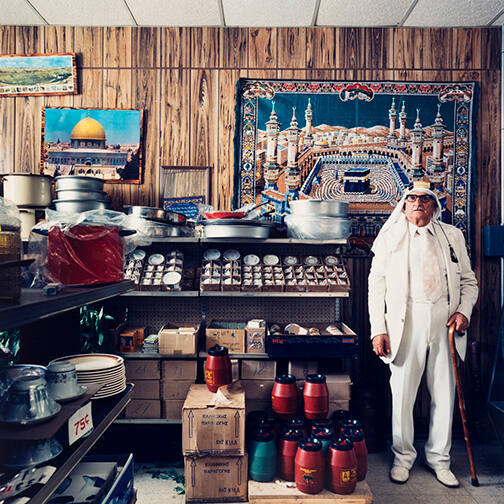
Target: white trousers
column 424, row 346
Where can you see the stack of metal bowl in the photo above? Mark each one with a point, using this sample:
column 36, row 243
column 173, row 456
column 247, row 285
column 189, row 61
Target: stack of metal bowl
column 313, row 219
column 77, row 193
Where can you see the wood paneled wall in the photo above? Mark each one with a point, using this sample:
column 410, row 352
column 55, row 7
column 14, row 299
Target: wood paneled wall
column 184, row 79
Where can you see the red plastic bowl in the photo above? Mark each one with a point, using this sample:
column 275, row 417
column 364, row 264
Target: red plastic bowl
column 225, row 215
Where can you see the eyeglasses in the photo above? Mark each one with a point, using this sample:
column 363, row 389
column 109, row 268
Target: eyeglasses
column 424, row 198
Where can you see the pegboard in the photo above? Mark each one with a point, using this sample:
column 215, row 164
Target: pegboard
column 272, row 309
column 154, row 312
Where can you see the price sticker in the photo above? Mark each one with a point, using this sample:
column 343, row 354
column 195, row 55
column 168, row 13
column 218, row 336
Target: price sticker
column 80, row 423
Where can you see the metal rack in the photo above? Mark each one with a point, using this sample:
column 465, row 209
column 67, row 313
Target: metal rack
column 34, row 305
column 105, row 415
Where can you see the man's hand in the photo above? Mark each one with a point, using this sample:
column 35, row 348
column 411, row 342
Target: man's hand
column 381, row 344
column 461, row 322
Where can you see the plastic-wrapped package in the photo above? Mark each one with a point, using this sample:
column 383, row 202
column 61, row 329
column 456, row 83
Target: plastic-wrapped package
column 317, row 227
column 10, row 251
column 81, row 249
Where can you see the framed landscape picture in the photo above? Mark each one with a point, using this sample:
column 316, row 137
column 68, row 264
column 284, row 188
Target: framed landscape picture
column 38, row 74
column 103, row 143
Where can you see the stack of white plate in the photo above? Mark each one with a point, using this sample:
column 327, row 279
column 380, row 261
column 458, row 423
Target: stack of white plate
column 105, row 369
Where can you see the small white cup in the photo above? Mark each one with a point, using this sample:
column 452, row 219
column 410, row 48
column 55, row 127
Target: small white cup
column 62, row 380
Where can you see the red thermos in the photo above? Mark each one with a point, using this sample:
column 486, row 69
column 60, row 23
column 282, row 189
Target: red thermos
column 316, row 397
column 287, row 449
column 356, row 435
column 284, row 396
column 341, row 467
column 217, row 368
column 309, row 466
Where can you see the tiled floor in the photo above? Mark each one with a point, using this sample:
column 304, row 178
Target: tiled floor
column 422, row 487
column 157, row 484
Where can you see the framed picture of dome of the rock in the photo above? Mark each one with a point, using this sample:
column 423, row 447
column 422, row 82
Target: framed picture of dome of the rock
column 103, row 143
column 359, row 142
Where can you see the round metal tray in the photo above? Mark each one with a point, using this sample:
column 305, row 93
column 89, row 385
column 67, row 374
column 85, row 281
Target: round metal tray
column 236, row 228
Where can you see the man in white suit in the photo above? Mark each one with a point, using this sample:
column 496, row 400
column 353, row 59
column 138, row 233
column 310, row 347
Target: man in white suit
column 420, row 282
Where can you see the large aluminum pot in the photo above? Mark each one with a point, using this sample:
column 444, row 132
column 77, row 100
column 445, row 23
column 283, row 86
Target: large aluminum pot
column 27, row 190
column 79, row 183
column 236, row 228
column 71, row 194
column 156, row 214
column 317, row 228
column 78, row 206
column 314, row 207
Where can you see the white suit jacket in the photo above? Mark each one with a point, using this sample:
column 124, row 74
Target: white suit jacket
column 388, row 282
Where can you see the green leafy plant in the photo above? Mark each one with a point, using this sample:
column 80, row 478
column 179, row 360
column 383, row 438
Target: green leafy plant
column 10, row 340
column 94, row 328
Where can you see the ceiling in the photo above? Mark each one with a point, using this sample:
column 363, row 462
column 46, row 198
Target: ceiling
column 253, row 12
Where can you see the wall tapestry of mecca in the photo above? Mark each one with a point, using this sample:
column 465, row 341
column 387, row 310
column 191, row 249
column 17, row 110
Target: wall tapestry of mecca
column 361, row 142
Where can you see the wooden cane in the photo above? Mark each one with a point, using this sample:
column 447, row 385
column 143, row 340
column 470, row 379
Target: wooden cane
column 451, row 338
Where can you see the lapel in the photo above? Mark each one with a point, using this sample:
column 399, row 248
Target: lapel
column 450, row 270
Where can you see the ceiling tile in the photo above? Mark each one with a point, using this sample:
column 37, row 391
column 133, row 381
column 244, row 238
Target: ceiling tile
column 361, row 13
column 18, row 12
column 175, row 12
column 454, row 12
column 84, row 13
column 268, row 12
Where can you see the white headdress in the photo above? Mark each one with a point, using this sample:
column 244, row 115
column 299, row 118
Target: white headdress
column 398, row 218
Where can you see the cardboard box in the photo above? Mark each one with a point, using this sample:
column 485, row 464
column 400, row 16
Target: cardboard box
column 172, row 409
column 216, row 479
column 145, row 389
column 178, row 339
column 176, row 389
column 338, row 386
column 122, row 490
column 143, row 408
column 258, row 389
column 214, row 424
column 255, row 336
column 228, row 334
column 258, row 369
column 300, row 369
column 142, row 369
column 179, row 369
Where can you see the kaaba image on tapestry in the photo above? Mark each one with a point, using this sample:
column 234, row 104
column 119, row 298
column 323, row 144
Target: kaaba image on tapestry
column 359, row 142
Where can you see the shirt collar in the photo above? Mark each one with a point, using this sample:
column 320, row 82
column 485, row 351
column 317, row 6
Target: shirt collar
column 414, row 229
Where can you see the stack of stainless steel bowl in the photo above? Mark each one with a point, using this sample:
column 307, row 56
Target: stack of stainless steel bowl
column 313, row 219
column 76, row 193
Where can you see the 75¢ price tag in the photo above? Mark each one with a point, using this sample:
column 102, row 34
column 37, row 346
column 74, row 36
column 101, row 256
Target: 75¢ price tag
column 80, row 423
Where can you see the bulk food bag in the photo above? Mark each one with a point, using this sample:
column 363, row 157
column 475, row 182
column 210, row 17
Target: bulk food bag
column 81, row 249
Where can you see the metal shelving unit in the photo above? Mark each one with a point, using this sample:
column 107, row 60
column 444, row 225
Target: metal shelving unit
column 137, row 293
column 104, row 415
column 148, row 421
column 310, row 294
column 34, row 305
column 276, row 241
column 204, row 355
column 274, row 294
column 152, row 355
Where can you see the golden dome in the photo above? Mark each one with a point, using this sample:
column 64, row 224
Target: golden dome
column 88, row 129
